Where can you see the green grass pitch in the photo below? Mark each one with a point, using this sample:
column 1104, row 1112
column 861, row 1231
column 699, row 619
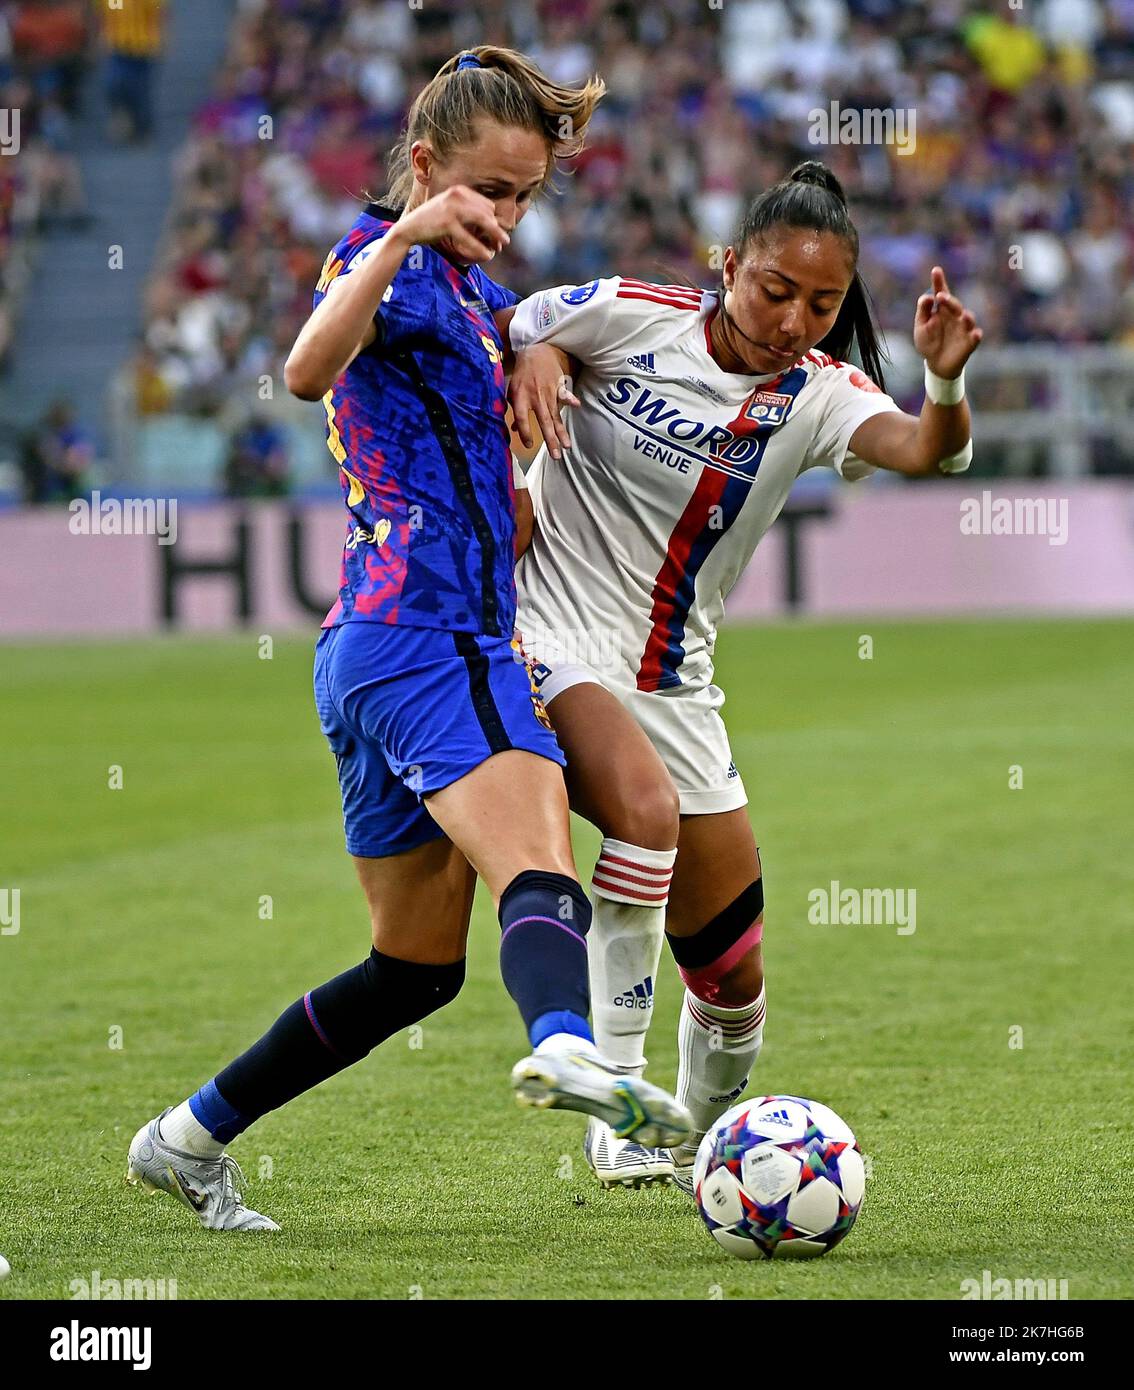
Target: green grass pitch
column 414, row 1174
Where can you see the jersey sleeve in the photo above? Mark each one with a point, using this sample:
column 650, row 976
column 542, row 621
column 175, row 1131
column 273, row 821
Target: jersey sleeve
column 589, row 321
column 851, row 398
column 407, row 305
column 495, row 296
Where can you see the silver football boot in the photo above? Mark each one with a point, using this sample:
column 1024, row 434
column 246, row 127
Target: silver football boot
column 207, row 1186
column 633, row 1108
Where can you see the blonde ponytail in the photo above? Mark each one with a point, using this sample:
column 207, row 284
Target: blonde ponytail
column 501, row 85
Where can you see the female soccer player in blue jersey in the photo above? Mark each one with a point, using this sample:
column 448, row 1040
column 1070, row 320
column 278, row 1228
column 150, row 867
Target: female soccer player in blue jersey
column 447, row 763
column 696, row 411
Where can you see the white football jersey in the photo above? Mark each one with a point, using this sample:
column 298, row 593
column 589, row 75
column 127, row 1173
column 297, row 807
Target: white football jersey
column 676, row 470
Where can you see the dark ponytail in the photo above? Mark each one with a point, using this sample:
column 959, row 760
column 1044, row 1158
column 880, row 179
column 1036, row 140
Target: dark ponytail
column 812, row 197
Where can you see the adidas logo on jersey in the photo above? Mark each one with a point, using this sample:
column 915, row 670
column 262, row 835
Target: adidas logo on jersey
column 732, row 772
column 644, row 363
column 640, row 997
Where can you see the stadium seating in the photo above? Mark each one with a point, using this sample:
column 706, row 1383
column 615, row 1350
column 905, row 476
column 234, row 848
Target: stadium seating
column 1023, row 148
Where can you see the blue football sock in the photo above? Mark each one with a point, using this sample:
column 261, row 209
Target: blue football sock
column 327, row 1030
column 543, row 952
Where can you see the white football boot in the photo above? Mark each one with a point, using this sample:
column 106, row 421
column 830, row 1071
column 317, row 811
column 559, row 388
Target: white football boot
column 623, row 1163
column 207, row 1186
column 634, row 1108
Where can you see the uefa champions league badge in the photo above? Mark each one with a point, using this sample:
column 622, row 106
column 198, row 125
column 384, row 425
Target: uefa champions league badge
column 580, row 294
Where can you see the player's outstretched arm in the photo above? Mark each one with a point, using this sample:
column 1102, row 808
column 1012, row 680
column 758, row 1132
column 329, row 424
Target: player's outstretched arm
column 940, row 439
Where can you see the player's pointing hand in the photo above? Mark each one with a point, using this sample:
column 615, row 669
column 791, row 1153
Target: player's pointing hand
column 945, row 332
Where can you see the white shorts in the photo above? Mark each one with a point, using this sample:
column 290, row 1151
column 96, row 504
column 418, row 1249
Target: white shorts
column 684, row 726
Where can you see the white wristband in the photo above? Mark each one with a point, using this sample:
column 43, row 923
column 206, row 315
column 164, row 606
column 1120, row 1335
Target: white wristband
column 957, row 463
column 941, row 390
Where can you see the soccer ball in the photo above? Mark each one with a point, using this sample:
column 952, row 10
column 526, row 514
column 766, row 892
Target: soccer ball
column 779, row 1176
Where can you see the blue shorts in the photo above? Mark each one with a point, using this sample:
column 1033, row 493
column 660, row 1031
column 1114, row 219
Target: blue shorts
column 408, row 710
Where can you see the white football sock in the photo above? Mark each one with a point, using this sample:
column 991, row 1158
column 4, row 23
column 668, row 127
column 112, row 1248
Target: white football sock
column 630, row 890
column 717, row 1047
column 181, row 1129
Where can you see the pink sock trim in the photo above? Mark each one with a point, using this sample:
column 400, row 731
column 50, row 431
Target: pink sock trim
column 734, row 1028
column 705, row 983
column 314, row 1022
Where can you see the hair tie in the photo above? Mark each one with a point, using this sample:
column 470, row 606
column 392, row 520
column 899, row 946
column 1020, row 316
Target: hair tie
column 468, row 60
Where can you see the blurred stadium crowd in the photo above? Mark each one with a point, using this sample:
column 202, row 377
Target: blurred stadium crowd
column 42, row 56
column 47, row 50
column 1025, row 135
column 1024, row 139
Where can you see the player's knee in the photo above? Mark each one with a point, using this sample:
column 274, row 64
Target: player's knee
column 645, row 812
column 404, row 992
column 362, row 1007
column 723, row 962
column 439, row 985
column 744, row 981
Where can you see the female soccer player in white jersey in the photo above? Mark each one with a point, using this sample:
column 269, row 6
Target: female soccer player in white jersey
column 694, row 414
column 446, row 763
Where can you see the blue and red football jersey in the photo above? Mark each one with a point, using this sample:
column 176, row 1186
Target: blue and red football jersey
column 417, row 426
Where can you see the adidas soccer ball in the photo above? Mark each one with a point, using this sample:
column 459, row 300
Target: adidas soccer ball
column 779, row 1176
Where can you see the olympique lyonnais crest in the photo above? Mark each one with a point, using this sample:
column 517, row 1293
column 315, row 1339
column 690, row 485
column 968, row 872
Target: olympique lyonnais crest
column 768, row 407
